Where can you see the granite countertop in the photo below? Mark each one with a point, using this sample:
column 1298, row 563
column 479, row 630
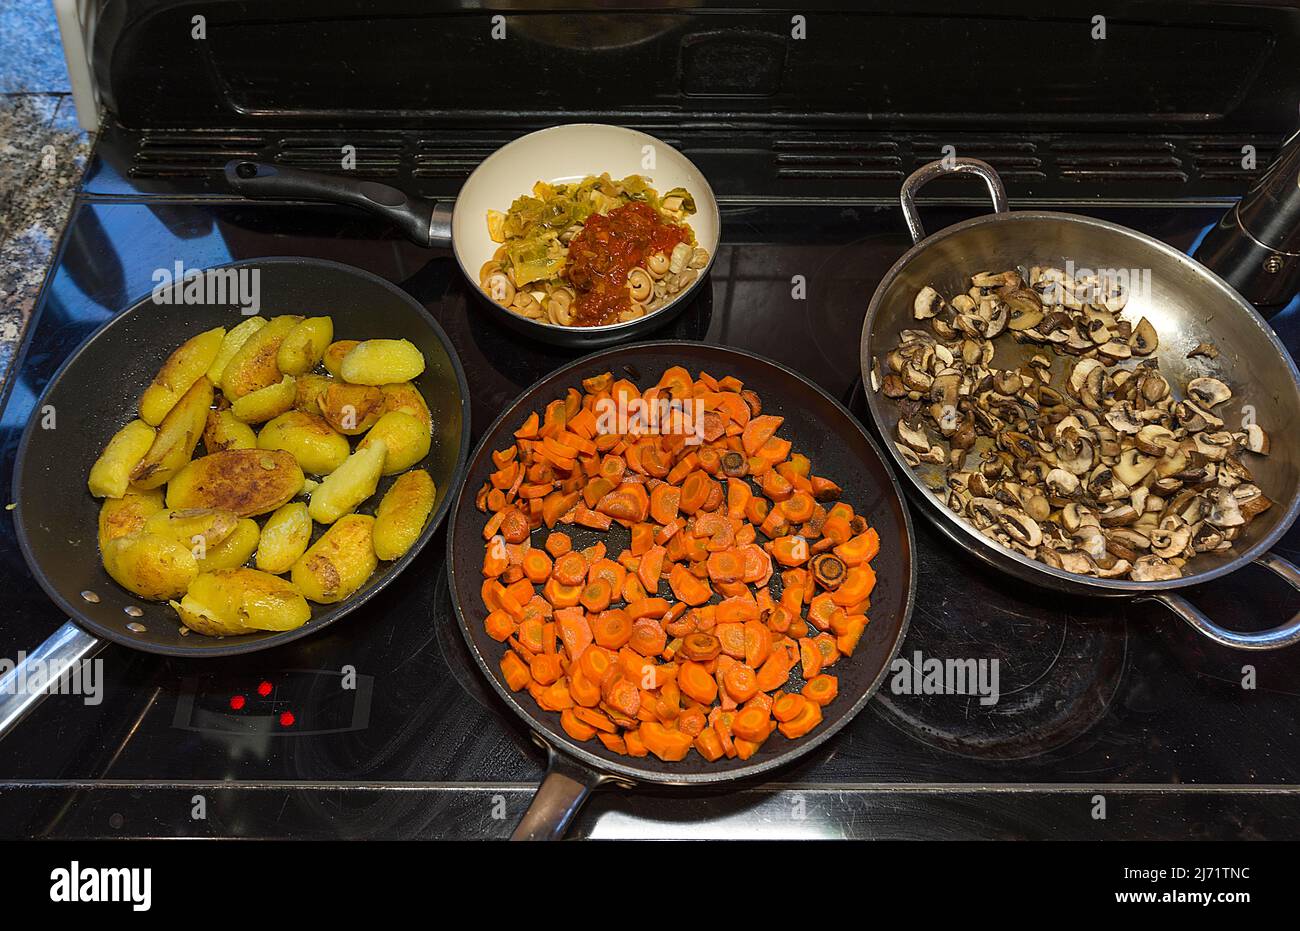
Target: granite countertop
column 43, row 152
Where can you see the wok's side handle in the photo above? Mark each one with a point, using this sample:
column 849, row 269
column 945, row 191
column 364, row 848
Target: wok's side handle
column 423, row 222
column 66, row 646
column 947, row 166
column 1282, row 636
column 563, row 791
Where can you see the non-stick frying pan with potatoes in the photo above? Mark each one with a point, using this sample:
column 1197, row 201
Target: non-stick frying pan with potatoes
column 98, row 389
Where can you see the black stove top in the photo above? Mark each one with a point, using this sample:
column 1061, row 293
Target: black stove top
column 1101, row 703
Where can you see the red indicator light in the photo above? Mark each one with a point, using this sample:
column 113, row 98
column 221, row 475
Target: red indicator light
column 236, row 702
column 286, row 719
column 264, row 689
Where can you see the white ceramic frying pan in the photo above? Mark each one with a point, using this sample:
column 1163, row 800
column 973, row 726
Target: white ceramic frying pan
column 562, row 153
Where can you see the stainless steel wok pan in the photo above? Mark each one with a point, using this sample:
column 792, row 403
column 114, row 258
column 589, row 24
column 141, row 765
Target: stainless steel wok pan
column 1186, row 303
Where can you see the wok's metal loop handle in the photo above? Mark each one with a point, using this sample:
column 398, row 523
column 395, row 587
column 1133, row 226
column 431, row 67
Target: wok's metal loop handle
column 65, row 647
column 563, row 791
column 927, row 173
column 1283, row 636
column 423, row 222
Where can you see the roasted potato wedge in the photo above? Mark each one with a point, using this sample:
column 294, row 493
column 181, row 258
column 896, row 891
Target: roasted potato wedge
column 285, row 536
column 348, row 485
column 402, row 514
column 121, row 517
column 339, row 562
column 111, row 473
column 261, row 405
column 176, row 438
column 246, row 481
column 230, row 602
column 235, row 337
column 407, row 439
column 405, row 397
column 351, row 409
column 334, row 354
column 233, row 551
column 318, row 447
column 198, row 528
column 150, row 565
column 309, row 387
column 224, row 432
column 253, row 365
column 305, row 346
column 183, row 368
column 381, row 362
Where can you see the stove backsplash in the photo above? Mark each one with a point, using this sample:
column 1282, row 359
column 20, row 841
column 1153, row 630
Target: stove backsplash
column 408, row 63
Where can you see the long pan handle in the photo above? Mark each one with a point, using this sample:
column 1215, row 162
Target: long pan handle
column 421, row 221
column 1277, row 637
column 563, row 791
column 65, row 647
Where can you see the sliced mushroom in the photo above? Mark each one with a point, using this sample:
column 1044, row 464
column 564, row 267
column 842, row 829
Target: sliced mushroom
column 1155, row 440
column 1170, row 542
column 1256, row 439
column 1154, row 569
column 1021, row 527
column 1144, row 340
column 1062, row 482
column 1209, row 392
column 1224, row 511
column 1118, row 570
column 927, row 304
column 1115, row 350
column 1133, row 466
column 1124, row 420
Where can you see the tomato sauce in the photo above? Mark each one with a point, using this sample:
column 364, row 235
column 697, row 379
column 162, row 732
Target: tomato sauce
column 608, row 247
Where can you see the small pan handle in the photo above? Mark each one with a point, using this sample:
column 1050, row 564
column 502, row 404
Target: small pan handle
column 563, row 791
column 66, row 646
column 423, row 222
column 1282, row 636
column 927, row 173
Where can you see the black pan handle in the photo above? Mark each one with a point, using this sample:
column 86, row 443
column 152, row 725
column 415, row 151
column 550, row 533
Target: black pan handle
column 423, row 222
column 563, row 791
column 27, row 684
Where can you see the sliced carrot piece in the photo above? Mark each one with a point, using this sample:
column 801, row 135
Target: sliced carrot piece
column 515, row 671
column 612, row 629
column 822, row 689
column 669, row 745
column 597, row 595
column 810, row 715
column 575, row 727
column 741, row 682
column 557, row 543
column 753, row 724
column 687, row 588
column 651, row 567
column 788, row 706
column 758, row 431
column 696, row 683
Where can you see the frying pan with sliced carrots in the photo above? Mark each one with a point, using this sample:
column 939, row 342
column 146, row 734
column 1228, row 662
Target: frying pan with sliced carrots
column 678, row 563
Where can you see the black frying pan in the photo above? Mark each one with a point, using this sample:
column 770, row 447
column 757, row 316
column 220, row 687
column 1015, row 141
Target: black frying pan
column 839, row 448
column 98, row 389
